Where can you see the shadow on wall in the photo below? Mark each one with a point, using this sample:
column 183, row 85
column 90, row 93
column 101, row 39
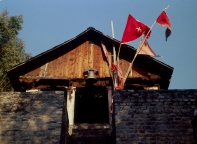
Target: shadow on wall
column 34, row 117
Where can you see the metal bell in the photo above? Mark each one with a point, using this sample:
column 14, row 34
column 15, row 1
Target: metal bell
column 91, row 74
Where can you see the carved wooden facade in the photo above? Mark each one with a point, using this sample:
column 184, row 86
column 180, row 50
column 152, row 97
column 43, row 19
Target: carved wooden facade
column 64, row 64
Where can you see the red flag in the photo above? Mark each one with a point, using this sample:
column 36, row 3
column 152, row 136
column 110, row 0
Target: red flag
column 134, row 29
column 163, row 20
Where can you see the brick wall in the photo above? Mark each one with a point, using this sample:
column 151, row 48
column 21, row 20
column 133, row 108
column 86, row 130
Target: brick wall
column 141, row 117
column 33, row 117
column 162, row 116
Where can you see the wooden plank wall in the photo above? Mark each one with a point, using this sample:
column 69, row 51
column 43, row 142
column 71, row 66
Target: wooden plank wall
column 72, row 64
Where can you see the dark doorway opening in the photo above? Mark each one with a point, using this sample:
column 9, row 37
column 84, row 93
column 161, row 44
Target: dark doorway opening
column 91, row 105
column 194, row 125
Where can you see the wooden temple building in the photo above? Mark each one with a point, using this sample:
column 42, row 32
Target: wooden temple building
column 66, row 66
column 66, row 63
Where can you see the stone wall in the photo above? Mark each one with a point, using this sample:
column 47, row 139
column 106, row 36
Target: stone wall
column 140, row 117
column 32, row 117
column 162, row 116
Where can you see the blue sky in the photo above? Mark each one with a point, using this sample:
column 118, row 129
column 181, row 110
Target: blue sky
column 48, row 23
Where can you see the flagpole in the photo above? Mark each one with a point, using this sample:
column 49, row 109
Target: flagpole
column 114, row 51
column 114, row 55
column 166, row 8
column 139, row 48
column 114, row 79
column 118, row 51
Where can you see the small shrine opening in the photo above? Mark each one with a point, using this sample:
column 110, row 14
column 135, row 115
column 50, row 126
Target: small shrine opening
column 91, row 105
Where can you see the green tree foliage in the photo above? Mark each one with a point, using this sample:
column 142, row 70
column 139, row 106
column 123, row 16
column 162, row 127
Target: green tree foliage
column 12, row 48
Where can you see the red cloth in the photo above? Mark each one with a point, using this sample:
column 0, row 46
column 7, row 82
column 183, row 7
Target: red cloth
column 163, row 20
column 134, row 29
column 113, row 66
column 119, row 75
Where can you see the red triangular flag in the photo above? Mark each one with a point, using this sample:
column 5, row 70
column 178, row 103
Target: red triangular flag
column 163, row 20
column 134, row 29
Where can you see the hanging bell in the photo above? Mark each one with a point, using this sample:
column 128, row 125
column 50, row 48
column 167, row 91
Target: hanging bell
column 90, row 74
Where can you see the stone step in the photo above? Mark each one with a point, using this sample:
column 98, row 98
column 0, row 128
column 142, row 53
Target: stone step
column 91, row 139
column 91, row 133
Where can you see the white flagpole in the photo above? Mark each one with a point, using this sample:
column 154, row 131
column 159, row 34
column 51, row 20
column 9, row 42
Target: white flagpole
column 114, row 51
column 166, row 8
column 140, row 46
column 118, row 51
column 114, row 55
